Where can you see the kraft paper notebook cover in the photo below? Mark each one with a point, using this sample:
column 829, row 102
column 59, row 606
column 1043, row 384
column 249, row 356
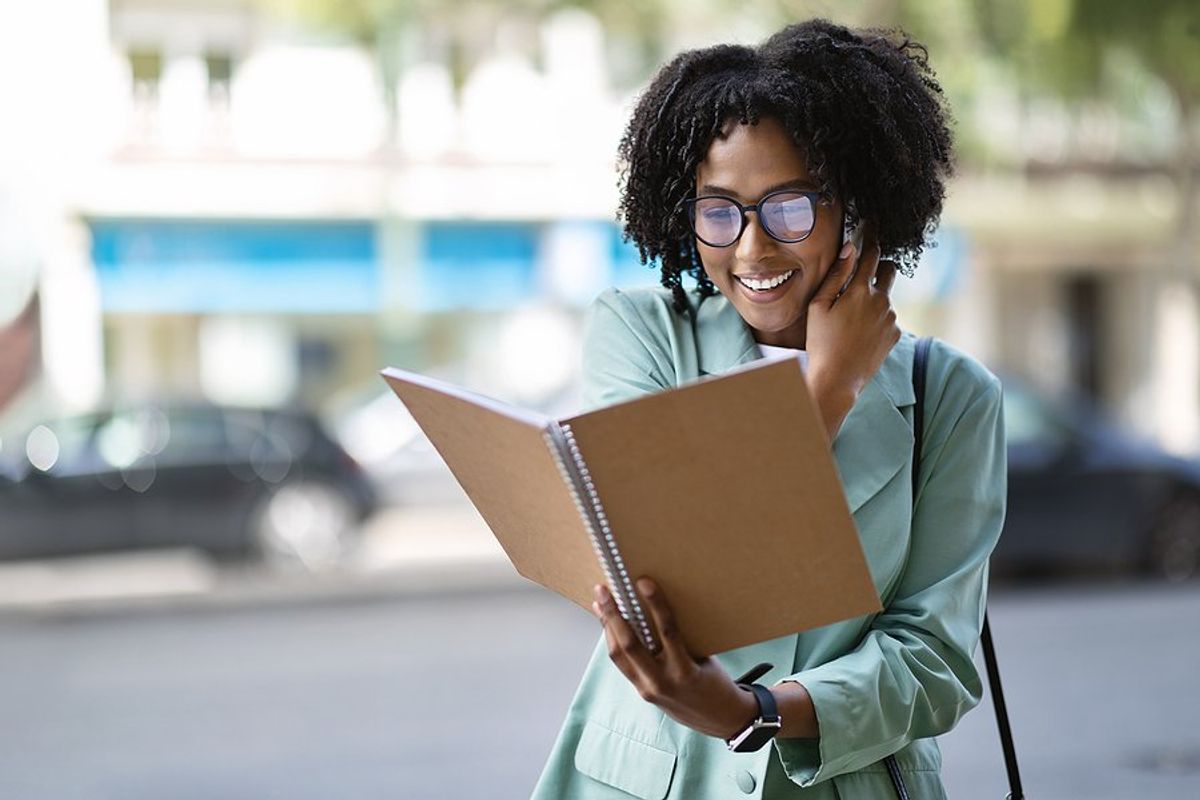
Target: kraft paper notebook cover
column 724, row 490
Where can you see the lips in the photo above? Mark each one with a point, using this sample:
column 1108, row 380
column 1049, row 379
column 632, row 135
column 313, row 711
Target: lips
column 765, row 285
column 761, row 276
column 763, row 296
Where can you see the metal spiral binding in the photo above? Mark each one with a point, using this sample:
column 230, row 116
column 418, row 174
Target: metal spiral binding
column 603, row 541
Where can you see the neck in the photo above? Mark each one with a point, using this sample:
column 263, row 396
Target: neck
column 794, row 336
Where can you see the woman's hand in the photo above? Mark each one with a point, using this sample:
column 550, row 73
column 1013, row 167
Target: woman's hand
column 697, row 693
column 849, row 333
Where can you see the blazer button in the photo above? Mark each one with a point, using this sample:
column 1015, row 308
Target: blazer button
column 745, row 782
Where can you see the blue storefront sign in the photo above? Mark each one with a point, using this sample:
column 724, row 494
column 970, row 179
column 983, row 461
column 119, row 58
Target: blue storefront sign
column 335, row 267
column 169, row 266
column 476, row 265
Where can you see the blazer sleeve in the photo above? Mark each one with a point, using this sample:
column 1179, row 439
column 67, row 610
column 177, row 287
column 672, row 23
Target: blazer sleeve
column 621, row 358
column 912, row 675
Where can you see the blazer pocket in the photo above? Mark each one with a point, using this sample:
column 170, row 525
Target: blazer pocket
column 634, row 767
column 864, row 785
column 920, row 763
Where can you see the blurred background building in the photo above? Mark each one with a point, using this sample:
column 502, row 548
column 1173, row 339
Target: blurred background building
column 229, row 205
column 263, row 202
column 220, row 218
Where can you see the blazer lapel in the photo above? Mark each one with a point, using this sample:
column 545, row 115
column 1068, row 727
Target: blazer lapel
column 723, row 339
column 875, row 440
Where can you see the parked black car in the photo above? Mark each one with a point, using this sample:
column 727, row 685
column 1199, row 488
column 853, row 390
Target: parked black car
column 236, row 482
column 1083, row 492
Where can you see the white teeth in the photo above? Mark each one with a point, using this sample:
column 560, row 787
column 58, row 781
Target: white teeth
column 762, row 286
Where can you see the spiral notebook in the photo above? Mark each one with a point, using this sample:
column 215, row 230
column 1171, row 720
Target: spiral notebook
column 723, row 490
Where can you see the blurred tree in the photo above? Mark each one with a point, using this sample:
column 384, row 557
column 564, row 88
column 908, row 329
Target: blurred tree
column 948, row 29
column 1094, row 51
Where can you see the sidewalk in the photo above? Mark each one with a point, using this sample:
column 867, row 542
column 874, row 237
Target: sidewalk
column 438, row 548
column 431, row 536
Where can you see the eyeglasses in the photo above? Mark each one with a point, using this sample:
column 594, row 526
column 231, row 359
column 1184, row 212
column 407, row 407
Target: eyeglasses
column 787, row 216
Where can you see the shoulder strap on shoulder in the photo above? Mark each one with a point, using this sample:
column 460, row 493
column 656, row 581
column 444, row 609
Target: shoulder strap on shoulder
column 920, row 360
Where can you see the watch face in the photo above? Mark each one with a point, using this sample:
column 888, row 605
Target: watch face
column 754, row 737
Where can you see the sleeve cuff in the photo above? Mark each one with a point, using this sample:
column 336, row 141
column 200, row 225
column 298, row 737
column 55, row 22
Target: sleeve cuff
column 842, row 731
column 805, row 761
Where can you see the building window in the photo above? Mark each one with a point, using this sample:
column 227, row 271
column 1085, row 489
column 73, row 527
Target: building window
column 146, row 68
column 220, row 74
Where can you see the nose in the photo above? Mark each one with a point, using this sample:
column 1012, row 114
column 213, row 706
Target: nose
column 754, row 242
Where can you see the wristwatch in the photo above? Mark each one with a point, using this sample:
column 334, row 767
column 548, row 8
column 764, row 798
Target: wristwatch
column 768, row 722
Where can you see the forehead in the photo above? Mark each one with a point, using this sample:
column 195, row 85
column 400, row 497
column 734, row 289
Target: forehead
column 749, row 159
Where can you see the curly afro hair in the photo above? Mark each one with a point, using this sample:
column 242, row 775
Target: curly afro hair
column 863, row 105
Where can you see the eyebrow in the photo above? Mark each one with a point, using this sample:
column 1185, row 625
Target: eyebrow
column 794, row 183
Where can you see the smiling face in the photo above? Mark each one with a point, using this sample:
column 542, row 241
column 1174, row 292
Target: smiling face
column 747, row 163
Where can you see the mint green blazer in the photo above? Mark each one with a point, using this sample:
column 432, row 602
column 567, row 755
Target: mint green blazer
column 884, row 683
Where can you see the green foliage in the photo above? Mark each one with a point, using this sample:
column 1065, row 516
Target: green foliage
column 1066, row 46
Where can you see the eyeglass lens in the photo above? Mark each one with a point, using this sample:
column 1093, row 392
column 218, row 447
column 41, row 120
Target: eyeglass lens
column 718, row 220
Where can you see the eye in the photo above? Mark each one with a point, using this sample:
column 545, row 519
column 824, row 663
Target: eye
column 796, row 214
column 716, row 209
column 789, row 215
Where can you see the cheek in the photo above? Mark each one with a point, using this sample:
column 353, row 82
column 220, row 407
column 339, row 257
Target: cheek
column 818, row 268
column 815, row 259
column 715, row 260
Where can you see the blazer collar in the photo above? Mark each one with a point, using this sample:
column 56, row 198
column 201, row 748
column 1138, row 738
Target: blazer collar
column 724, row 340
column 875, row 440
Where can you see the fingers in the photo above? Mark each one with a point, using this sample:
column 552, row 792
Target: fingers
column 673, row 648
column 868, row 263
column 885, row 276
column 624, row 648
column 831, row 285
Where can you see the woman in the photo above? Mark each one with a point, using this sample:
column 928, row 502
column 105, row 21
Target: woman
column 818, row 132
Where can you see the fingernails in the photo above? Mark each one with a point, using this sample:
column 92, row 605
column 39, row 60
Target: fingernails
column 847, row 249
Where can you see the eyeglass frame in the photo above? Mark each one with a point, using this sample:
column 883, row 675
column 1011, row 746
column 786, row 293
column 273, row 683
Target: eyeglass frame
column 816, row 198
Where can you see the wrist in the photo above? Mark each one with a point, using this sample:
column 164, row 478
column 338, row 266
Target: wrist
column 765, row 725
column 743, row 713
column 797, row 709
column 824, row 380
column 833, row 398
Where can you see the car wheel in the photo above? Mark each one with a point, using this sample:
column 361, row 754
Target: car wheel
column 308, row 525
column 1175, row 540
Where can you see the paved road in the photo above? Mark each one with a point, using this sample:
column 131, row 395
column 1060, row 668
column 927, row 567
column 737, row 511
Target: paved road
column 460, row 695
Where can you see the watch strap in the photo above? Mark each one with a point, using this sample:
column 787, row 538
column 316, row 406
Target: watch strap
column 768, row 711
column 763, row 728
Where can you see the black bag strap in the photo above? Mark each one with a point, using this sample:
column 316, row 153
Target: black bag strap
column 920, row 359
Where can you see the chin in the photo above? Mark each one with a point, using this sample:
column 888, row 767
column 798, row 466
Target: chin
column 773, row 317
column 771, row 322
